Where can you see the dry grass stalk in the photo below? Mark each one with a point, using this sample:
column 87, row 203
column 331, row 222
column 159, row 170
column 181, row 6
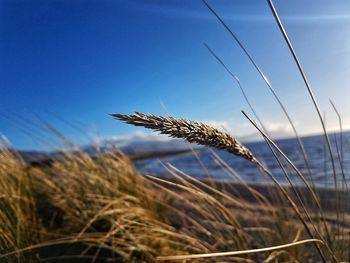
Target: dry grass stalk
column 233, row 253
column 206, row 135
column 192, row 131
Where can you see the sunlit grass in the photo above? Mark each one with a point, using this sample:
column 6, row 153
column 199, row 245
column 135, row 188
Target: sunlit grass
column 101, row 208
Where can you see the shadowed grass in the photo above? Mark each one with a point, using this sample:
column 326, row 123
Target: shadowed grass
column 101, row 209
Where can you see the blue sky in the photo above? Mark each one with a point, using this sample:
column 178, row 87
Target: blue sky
column 71, row 63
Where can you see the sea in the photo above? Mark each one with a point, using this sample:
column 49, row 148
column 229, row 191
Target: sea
column 204, row 162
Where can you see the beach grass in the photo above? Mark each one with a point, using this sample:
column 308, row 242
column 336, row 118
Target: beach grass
column 80, row 208
column 102, row 210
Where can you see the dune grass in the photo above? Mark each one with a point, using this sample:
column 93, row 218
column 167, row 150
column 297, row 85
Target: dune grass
column 87, row 207
column 100, row 209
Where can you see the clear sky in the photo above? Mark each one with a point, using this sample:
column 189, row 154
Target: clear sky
column 71, row 63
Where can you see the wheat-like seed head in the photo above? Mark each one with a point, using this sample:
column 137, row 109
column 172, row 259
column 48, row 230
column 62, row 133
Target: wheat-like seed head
column 192, row 131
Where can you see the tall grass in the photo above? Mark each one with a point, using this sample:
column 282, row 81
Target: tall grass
column 208, row 136
column 100, row 209
column 87, row 209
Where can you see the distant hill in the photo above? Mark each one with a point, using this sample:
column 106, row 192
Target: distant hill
column 135, row 148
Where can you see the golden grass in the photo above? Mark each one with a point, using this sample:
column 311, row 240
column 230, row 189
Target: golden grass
column 102, row 203
column 316, row 229
column 17, row 205
column 100, row 209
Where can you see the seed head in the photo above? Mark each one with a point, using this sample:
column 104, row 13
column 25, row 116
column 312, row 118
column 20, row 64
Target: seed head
column 192, row 131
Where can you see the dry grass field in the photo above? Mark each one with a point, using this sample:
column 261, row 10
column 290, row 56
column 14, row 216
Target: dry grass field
column 101, row 209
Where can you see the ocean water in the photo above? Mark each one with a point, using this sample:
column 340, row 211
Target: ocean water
column 205, row 164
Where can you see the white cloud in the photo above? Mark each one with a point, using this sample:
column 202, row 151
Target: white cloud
column 220, row 125
column 283, row 127
column 276, row 130
column 138, row 136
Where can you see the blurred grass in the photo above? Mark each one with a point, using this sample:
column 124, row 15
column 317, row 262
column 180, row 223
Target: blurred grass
column 101, row 209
